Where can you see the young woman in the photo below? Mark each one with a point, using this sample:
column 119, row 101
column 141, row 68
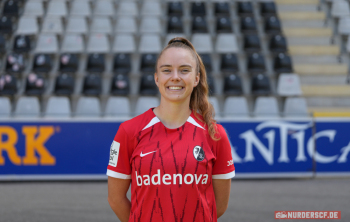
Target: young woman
column 177, row 159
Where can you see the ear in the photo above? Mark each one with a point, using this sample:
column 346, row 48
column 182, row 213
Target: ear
column 156, row 78
column 196, row 82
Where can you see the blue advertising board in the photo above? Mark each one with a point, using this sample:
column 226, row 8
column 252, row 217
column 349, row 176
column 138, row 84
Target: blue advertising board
column 75, row 149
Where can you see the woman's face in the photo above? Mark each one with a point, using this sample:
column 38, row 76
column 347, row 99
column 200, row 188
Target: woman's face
column 176, row 74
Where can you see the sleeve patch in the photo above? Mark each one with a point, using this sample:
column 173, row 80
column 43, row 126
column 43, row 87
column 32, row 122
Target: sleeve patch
column 114, row 153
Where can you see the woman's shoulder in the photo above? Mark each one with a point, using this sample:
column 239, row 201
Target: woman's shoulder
column 137, row 123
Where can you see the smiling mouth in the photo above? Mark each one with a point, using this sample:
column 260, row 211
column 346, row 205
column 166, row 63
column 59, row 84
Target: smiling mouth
column 175, row 87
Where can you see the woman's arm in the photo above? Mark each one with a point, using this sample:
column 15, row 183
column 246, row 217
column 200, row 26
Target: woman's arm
column 120, row 204
column 222, row 189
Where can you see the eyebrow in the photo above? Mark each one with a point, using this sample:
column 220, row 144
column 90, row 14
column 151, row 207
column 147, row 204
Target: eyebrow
column 171, row 66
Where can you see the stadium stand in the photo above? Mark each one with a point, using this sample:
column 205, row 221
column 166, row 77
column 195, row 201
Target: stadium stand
column 292, row 53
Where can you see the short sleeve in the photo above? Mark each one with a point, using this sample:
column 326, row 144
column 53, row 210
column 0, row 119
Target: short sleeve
column 223, row 167
column 119, row 156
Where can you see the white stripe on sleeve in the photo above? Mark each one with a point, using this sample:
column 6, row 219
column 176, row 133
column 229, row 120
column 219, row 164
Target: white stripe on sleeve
column 117, row 175
column 224, row 176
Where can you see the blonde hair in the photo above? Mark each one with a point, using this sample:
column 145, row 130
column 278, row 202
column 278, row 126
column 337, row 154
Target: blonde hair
column 199, row 101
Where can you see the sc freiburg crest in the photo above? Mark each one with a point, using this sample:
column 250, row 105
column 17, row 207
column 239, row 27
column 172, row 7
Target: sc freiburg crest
column 198, row 153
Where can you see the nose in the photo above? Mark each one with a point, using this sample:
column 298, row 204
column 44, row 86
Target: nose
column 175, row 76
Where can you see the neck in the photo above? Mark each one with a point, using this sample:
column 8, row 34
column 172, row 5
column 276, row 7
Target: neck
column 172, row 115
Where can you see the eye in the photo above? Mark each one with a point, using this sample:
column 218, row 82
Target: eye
column 166, row 70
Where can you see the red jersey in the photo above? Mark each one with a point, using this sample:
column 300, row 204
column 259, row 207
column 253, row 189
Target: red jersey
column 171, row 170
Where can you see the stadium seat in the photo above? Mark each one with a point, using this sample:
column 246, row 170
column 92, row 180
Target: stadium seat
column 175, row 25
column 101, row 25
column 122, row 63
column 256, row 63
column 223, row 25
column 11, row 8
column 73, row 43
column 22, row 44
column 266, row 106
column 283, row 63
column 64, row 85
column 236, row 107
column 124, row 43
column 206, row 59
column 232, row 85
column 27, row 26
column 148, row 62
column 202, row 43
column 96, row 63
column 340, row 8
column 344, row 25
column 175, row 8
column 222, row 9
column 92, row 85
column 226, row 43
column 214, row 101
column 127, row 8
column 244, row 8
column 251, row 43
column 5, row 106
column 150, row 43
column 3, row 44
column 148, row 86
column 288, row 85
column 98, row 43
column 33, row 8
column 88, row 107
column 80, row 8
column 248, row 25
column 6, row 25
column 348, row 45
column 295, row 107
column 150, row 25
column 120, row 85
column 268, row 8
column 57, row 8
column 126, row 25
column 27, row 107
column 15, row 63
column 69, row 62
column 58, row 107
column 198, row 9
column 229, row 63
column 199, row 25
column 151, row 8
column 8, row 85
column 47, row 43
column 278, row 43
column 260, row 85
column 117, row 107
column 144, row 103
column 52, row 24
column 104, row 8
column 77, row 25
column 42, row 63
column 272, row 25
column 35, row 84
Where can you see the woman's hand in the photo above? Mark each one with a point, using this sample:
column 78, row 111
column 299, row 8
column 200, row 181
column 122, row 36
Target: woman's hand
column 120, row 204
column 222, row 189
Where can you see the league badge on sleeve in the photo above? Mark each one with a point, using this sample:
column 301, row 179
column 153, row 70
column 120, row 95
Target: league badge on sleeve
column 198, row 153
column 114, row 153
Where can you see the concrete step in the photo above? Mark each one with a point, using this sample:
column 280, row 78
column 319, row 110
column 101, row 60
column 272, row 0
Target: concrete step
column 313, row 50
column 327, row 102
column 297, row 2
column 293, row 8
column 308, row 32
column 304, row 24
column 326, row 90
column 322, row 80
column 330, row 111
column 302, row 15
column 321, row 69
column 321, row 59
column 320, row 40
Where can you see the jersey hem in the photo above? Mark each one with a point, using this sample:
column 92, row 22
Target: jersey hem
column 224, row 176
column 111, row 173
